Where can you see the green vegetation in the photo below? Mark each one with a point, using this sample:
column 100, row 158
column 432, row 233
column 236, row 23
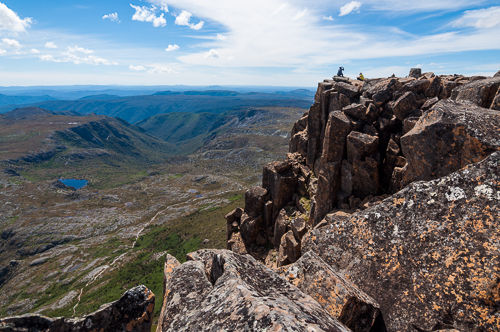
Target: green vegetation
column 178, row 238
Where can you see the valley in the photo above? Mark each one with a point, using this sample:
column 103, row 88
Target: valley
column 160, row 186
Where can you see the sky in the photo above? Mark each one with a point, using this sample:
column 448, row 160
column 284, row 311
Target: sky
column 236, row 42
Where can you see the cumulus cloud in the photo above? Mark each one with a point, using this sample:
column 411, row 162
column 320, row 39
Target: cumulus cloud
column 184, row 18
column 113, row 17
column 349, row 8
column 327, row 18
column 171, row 48
column 35, row 51
column 50, row 45
column 10, row 21
column 2, row 52
column 145, row 14
column 480, row 19
column 11, row 43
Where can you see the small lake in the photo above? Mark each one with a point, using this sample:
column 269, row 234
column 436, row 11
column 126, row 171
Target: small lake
column 75, row 183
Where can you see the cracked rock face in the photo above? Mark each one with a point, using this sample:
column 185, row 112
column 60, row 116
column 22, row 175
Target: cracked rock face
column 428, row 254
column 220, row 290
column 133, row 312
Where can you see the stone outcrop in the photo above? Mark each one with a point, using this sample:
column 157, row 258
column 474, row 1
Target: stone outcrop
column 362, row 140
column 423, row 254
column 428, row 254
column 337, row 295
column 132, row 312
column 218, row 290
column 448, row 137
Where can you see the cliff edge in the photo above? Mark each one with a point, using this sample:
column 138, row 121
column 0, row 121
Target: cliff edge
column 384, row 214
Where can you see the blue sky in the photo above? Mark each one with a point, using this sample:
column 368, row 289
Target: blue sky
column 258, row 42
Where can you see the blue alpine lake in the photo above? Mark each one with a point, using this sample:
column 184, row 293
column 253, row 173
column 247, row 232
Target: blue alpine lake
column 75, row 183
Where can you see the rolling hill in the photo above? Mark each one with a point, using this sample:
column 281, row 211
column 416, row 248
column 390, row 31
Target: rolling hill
column 137, row 108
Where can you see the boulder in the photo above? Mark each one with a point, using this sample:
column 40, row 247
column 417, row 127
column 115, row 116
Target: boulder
column 254, row 201
column 480, row 92
column 434, row 88
column 448, row 137
column 132, row 312
column 299, row 227
column 356, row 111
column 281, row 226
column 415, row 72
column 336, row 294
column 337, row 129
column 497, row 74
column 280, row 182
column 222, row 291
column 360, row 145
column 289, row 249
column 405, row 105
column 427, row 254
column 429, row 103
column 251, row 228
column 347, row 89
column 418, row 87
column 381, row 91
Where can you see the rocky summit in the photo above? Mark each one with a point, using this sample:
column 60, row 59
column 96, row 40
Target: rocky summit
column 385, row 211
column 382, row 217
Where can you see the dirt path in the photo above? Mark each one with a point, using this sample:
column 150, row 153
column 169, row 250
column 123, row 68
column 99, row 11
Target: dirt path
column 117, row 259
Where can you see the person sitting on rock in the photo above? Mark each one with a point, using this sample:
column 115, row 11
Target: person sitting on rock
column 361, row 77
column 340, row 72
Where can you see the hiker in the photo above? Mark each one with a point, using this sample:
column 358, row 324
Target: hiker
column 361, row 77
column 340, row 72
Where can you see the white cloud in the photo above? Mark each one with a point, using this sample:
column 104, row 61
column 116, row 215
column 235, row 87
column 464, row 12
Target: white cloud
column 50, row 45
column 10, row 21
column 35, row 51
column 263, row 33
column 2, row 52
column 145, row 14
column 78, row 49
column 160, row 69
column 161, row 3
column 480, row 19
column 77, row 55
column 137, row 68
column 113, row 17
column 220, row 36
column 171, row 48
column 327, row 18
column 156, row 68
column 11, row 43
column 48, row 57
column 349, row 8
column 184, row 18
column 212, row 54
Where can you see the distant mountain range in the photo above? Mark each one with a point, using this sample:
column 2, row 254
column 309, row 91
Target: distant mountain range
column 137, row 108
